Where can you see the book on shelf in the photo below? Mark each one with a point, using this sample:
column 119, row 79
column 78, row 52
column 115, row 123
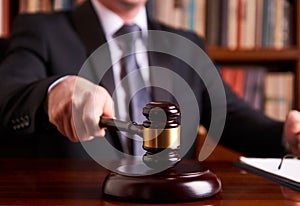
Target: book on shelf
column 248, row 16
column 247, row 83
column 277, row 20
column 254, row 87
column 270, row 92
column 278, row 94
column 231, row 23
column 199, row 17
column 213, row 24
column 232, row 30
column 59, row 5
column 4, row 17
column 235, row 78
column 181, row 14
column 224, row 22
column 258, row 22
column 279, row 25
column 268, row 22
column 1, row 18
column 163, row 11
column 176, row 13
column 36, row 6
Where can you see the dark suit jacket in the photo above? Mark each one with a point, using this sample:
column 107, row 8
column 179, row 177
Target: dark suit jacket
column 3, row 47
column 45, row 47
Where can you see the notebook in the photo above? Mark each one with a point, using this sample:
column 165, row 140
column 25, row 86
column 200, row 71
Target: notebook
column 288, row 174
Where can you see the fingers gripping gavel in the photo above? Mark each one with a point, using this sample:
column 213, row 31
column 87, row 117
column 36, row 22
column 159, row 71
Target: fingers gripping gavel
column 160, row 132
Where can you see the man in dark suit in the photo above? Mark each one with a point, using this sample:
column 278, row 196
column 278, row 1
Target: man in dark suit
column 41, row 70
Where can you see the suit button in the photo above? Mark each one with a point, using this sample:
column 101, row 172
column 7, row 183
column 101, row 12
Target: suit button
column 26, row 123
column 21, row 122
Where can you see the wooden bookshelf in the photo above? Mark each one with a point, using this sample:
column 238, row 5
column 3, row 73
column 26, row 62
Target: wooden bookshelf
column 275, row 45
column 224, row 55
column 270, row 56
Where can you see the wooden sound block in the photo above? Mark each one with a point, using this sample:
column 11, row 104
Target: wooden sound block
column 186, row 181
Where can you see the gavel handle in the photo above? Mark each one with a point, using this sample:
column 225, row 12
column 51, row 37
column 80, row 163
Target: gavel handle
column 118, row 125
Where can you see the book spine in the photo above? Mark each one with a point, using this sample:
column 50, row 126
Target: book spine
column 278, row 41
column 240, row 11
column 288, row 21
column 1, row 18
column 254, row 87
column 32, row 6
column 60, row 5
column 259, row 23
column 164, row 11
column 200, row 17
column 224, row 22
column 265, row 23
column 213, row 22
column 192, row 7
column 278, row 94
column 232, row 24
column 5, row 18
column 235, row 78
column 248, row 24
column 45, row 6
column 23, row 6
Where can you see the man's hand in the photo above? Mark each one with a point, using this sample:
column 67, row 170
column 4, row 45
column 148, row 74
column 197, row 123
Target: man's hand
column 292, row 131
column 75, row 106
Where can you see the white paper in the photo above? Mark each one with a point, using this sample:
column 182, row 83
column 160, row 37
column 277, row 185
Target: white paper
column 290, row 168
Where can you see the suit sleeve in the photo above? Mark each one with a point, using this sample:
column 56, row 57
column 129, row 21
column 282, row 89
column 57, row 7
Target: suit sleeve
column 24, row 77
column 246, row 130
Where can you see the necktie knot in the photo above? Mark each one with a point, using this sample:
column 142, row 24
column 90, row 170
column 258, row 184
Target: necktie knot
column 127, row 28
column 127, row 43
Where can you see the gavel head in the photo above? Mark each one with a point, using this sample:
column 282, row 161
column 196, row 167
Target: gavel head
column 161, row 132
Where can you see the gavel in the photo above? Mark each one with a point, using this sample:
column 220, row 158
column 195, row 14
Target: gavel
column 160, row 132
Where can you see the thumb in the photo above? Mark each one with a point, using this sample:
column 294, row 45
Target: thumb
column 293, row 121
column 108, row 107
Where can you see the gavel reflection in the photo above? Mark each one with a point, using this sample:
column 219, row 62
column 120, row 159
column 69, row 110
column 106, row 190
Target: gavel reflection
column 160, row 132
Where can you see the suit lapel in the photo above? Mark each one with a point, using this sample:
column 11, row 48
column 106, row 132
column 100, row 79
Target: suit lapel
column 86, row 23
column 87, row 26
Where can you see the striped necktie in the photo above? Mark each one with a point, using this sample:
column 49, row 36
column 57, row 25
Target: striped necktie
column 132, row 81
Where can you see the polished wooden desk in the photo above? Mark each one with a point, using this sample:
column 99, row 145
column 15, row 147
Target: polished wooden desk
column 78, row 182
